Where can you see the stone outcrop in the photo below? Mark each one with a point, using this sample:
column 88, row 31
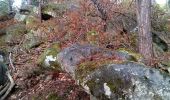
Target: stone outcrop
column 110, row 75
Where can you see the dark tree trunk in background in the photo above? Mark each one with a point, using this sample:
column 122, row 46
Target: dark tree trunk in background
column 39, row 12
column 10, row 6
column 144, row 31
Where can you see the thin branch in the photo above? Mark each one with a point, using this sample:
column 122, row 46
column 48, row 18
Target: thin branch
column 11, row 63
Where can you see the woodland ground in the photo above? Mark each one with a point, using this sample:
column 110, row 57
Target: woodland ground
column 34, row 83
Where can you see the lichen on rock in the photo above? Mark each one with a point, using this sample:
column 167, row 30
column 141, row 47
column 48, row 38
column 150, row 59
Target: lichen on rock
column 49, row 58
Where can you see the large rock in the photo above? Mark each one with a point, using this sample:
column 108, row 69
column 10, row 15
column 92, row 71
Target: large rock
column 48, row 59
column 130, row 55
column 28, row 9
column 72, row 56
column 14, row 33
column 32, row 20
column 31, row 40
column 129, row 81
column 2, row 41
column 108, row 76
column 3, row 68
column 20, row 17
column 162, row 39
column 54, row 10
column 3, row 78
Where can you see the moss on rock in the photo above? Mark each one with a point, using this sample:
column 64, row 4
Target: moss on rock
column 15, row 32
column 31, row 20
column 54, row 9
column 2, row 41
column 54, row 96
column 49, row 58
column 88, row 67
column 31, row 41
column 92, row 37
column 134, row 56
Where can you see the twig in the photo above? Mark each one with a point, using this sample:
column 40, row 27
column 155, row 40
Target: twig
column 10, row 60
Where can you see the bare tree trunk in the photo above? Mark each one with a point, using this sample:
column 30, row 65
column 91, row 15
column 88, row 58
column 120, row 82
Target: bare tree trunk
column 144, row 31
column 40, row 15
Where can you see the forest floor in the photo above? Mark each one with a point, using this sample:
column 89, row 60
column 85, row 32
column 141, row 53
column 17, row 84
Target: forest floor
column 34, row 83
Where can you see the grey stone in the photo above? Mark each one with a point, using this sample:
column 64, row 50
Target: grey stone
column 127, row 80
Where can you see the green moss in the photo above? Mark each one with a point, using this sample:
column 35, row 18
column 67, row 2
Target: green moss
column 133, row 40
column 167, row 63
column 58, row 9
column 91, row 84
column 30, row 20
column 54, row 96
column 116, row 87
column 2, row 41
column 31, row 41
column 15, row 32
column 87, row 67
column 135, row 56
column 92, row 37
column 52, row 51
column 93, row 32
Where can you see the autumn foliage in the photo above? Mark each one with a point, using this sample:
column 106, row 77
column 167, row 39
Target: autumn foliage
column 84, row 24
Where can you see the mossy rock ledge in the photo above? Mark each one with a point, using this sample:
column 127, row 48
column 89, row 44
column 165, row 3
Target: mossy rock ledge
column 112, row 78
